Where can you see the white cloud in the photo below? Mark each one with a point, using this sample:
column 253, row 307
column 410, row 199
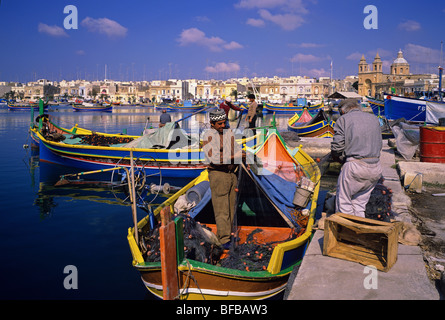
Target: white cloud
column 223, row 67
column 311, row 45
column 287, row 21
column 307, row 58
column 356, row 56
column 410, row 25
column 194, row 36
column 420, row 54
column 255, row 22
column 54, row 31
column 288, row 14
column 104, row 26
column 80, row 52
column 293, row 5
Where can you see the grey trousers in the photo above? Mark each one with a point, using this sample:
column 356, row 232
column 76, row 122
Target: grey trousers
column 356, row 181
column 223, row 186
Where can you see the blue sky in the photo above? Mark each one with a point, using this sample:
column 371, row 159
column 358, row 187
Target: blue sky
column 150, row 40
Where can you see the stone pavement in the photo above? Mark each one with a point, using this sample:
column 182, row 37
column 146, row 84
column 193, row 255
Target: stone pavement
column 325, row 278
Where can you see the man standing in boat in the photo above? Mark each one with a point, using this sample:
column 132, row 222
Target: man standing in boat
column 223, row 156
column 226, row 105
column 252, row 113
column 357, row 142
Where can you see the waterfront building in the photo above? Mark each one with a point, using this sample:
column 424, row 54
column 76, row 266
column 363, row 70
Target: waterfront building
column 374, row 83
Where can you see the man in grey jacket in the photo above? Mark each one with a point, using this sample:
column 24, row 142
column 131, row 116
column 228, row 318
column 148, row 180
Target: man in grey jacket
column 357, row 142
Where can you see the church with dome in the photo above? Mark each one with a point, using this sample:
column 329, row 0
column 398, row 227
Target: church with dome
column 374, row 83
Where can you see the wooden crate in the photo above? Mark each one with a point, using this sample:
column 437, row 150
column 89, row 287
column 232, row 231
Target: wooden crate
column 366, row 241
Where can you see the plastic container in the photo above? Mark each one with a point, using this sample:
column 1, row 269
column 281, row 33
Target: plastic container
column 196, row 193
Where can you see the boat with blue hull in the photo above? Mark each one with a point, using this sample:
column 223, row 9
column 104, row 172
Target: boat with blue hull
column 272, row 108
column 168, row 151
column 413, row 110
column 377, row 106
column 307, row 125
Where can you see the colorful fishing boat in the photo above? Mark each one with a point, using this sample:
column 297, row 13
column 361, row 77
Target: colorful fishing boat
column 168, row 151
column 413, row 110
column 187, row 107
column 265, row 217
column 92, row 107
column 377, row 106
column 291, row 108
column 25, row 106
column 307, row 125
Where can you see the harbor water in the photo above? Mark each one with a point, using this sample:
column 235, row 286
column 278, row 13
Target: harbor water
column 70, row 242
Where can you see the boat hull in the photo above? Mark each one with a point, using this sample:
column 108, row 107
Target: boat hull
column 97, row 158
column 413, row 110
column 290, row 109
column 84, row 108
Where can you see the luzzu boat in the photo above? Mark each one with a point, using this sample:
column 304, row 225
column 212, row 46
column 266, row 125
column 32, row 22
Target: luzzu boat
column 92, row 107
column 168, row 151
column 307, row 125
column 291, row 108
column 377, row 106
column 25, row 106
column 187, row 107
column 265, row 215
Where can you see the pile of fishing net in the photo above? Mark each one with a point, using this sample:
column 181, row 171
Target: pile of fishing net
column 201, row 244
column 101, row 140
column 379, row 204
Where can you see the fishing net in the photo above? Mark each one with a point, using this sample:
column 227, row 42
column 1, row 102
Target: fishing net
column 200, row 244
column 101, row 140
column 379, row 204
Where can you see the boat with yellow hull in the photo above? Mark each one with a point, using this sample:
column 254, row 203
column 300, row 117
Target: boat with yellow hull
column 264, row 215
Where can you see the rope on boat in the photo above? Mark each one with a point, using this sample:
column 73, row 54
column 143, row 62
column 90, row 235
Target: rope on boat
column 189, row 275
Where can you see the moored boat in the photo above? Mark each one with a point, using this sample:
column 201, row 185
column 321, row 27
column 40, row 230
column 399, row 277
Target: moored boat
column 25, row 106
column 168, row 151
column 266, row 219
column 307, row 125
column 291, row 108
column 377, row 106
column 92, row 107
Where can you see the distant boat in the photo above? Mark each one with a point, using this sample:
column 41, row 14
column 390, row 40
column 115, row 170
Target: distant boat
column 291, row 108
column 186, row 107
column 92, row 107
column 307, row 125
column 25, row 106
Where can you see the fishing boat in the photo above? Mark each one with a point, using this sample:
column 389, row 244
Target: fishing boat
column 92, row 107
column 25, row 106
column 377, row 106
column 52, row 127
column 307, row 125
column 266, row 219
column 291, row 108
column 168, row 151
column 412, row 109
column 187, row 107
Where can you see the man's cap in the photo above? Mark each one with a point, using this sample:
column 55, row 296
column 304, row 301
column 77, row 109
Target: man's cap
column 251, row 96
column 217, row 115
column 228, row 99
